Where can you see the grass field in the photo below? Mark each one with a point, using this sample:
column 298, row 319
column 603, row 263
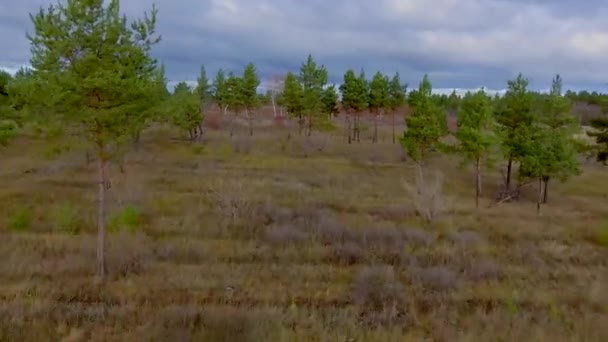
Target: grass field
column 276, row 239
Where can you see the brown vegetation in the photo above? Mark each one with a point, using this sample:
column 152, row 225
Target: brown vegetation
column 254, row 240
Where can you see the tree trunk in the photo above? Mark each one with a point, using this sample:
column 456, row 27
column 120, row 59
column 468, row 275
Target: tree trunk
column 508, row 181
column 375, row 139
column 309, row 133
column 232, row 119
column 250, row 118
column 546, row 191
column 101, row 216
column 300, row 124
column 477, row 181
column 393, row 127
column 540, row 195
column 350, row 132
column 274, row 107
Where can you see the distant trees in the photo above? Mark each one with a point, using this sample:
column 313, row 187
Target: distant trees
column 600, row 133
column 396, row 98
column 8, row 122
column 97, row 73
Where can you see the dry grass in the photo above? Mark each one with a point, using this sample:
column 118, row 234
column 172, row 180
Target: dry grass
column 276, row 239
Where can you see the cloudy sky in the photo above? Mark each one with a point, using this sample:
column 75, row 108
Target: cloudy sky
column 459, row 43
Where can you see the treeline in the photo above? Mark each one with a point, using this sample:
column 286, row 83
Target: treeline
column 93, row 78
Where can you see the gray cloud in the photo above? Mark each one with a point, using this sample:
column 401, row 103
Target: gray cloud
column 460, row 44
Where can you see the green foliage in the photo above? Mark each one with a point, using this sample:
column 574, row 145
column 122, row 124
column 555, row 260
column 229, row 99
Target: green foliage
column 330, row 101
column 312, row 78
column 203, row 88
column 551, row 150
column 65, row 218
column 129, row 218
column 354, row 92
column 379, row 93
column 425, row 125
column 93, row 69
column 515, row 118
column 600, row 133
column 602, row 235
column 20, row 220
column 183, row 108
column 220, row 89
column 234, row 94
column 293, row 97
column 475, row 132
column 9, row 122
column 396, row 93
column 249, row 86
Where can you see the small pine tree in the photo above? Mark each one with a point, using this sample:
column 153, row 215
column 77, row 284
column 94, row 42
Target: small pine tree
column 96, row 73
column 249, row 85
column 330, row 102
column 312, row 78
column 183, row 108
column 292, row 99
column 220, row 91
column 379, row 97
column 354, row 99
column 475, row 133
column 396, row 99
column 515, row 118
column 424, row 127
column 234, row 98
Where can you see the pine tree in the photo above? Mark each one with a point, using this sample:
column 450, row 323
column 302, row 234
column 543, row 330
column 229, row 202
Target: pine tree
column 475, row 133
column 330, row 102
column 354, row 99
column 203, row 91
column 396, row 99
column 8, row 123
column 312, row 78
column 379, row 97
column 97, row 72
column 515, row 118
column 249, row 85
column 292, row 99
column 183, row 108
column 600, row 133
column 424, row 127
column 234, row 98
column 220, row 91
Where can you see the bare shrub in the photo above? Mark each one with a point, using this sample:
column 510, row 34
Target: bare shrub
column 236, row 208
column 128, row 254
column 427, row 195
column 385, row 237
column 437, row 278
column 274, row 214
column 379, row 294
column 466, row 238
column 214, row 121
column 482, row 269
column 242, row 144
column 419, row 237
column 348, row 253
column 233, row 324
column 285, row 235
column 181, row 316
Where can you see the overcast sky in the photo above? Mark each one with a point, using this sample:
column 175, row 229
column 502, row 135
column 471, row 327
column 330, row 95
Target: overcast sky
column 459, row 43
